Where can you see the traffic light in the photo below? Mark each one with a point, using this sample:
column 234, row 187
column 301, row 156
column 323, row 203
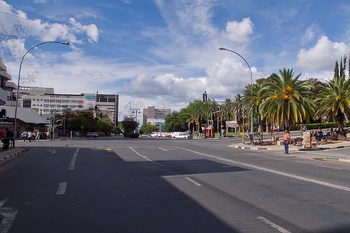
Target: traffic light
column 59, row 122
column 3, row 114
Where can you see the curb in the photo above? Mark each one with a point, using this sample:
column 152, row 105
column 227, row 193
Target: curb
column 338, row 159
column 13, row 155
column 302, row 149
column 250, row 148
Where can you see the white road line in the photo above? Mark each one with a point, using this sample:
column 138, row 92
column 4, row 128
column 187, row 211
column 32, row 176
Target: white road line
column 73, row 161
column 335, row 168
column 192, row 181
column 61, row 190
column 142, row 156
column 8, row 216
column 273, row 225
column 274, row 171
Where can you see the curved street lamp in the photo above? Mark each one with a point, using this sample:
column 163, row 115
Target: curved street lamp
column 251, row 84
column 19, row 78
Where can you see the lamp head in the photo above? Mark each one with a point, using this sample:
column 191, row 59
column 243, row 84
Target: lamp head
column 65, row 43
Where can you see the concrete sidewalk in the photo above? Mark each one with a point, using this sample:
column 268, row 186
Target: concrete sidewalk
column 331, row 150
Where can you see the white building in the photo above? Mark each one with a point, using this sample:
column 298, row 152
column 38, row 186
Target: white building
column 155, row 116
column 46, row 102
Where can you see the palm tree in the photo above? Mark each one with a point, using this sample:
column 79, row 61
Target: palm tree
column 195, row 111
column 239, row 108
column 227, row 109
column 285, row 100
column 258, row 97
column 334, row 100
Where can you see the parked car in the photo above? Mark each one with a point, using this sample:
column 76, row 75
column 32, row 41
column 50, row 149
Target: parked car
column 182, row 135
column 92, row 134
column 155, row 134
column 173, row 134
column 164, row 135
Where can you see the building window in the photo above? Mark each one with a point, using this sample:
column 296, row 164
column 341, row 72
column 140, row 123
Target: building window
column 27, row 103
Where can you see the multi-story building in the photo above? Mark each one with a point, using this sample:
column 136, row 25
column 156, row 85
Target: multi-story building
column 26, row 118
column 109, row 105
column 6, row 85
column 155, row 116
column 46, row 102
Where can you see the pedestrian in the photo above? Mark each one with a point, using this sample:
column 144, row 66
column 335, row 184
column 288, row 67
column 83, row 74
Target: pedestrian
column 48, row 136
column 24, row 136
column 29, row 136
column 10, row 136
column 286, row 141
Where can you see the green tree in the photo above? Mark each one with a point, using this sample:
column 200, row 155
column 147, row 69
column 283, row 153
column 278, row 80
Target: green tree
column 239, row 108
column 285, row 100
column 334, row 100
column 176, row 122
column 148, row 129
column 105, row 125
column 128, row 126
column 78, row 120
column 195, row 112
column 228, row 110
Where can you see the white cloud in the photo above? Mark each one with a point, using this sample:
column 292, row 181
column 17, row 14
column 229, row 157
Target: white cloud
column 180, row 54
column 52, row 31
column 323, row 55
column 239, row 32
column 310, row 34
column 229, row 77
column 16, row 22
column 39, row 1
column 13, row 47
column 90, row 30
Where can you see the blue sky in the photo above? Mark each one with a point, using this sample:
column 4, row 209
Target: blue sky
column 165, row 52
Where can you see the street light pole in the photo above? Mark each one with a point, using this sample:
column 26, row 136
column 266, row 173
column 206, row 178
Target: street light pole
column 19, row 78
column 251, row 85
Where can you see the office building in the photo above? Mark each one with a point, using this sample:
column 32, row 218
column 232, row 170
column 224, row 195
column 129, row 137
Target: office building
column 155, row 116
column 46, row 102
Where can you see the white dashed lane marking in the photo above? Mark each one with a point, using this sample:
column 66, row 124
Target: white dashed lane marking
column 61, row 190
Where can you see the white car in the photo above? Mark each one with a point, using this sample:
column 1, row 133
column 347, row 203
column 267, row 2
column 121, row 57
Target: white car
column 182, row 135
column 155, row 134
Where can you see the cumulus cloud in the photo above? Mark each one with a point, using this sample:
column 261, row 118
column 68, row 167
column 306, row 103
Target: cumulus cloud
column 239, row 32
column 229, row 77
column 17, row 23
column 90, row 30
column 167, row 87
column 323, row 55
column 222, row 80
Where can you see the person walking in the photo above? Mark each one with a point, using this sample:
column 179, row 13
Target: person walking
column 286, row 141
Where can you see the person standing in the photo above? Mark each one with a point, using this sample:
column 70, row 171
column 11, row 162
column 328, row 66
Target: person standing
column 10, row 136
column 286, row 141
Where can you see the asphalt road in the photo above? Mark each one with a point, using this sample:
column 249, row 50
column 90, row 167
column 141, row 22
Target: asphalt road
column 146, row 185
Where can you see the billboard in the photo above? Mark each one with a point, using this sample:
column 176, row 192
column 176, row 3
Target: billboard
column 89, row 101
